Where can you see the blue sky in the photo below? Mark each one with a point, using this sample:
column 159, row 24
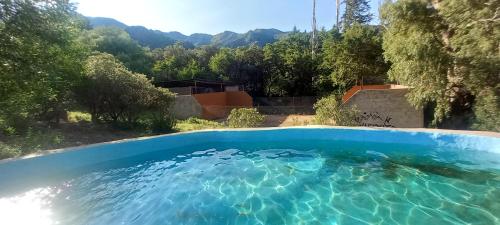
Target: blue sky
column 215, row 16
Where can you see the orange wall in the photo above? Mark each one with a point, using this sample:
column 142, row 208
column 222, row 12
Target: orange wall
column 218, row 105
column 216, row 98
column 239, row 98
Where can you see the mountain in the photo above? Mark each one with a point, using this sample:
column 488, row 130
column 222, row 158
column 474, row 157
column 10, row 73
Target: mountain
column 160, row 39
column 150, row 38
column 103, row 21
column 259, row 37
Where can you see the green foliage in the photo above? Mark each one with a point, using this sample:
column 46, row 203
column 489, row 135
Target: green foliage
column 329, row 111
column 37, row 139
column 178, row 63
column 118, row 43
column 245, row 117
column 114, row 94
column 224, row 63
column 442, row 49
column 242, row 65
column 487, row 110
column 40, row 61
column 196, row 124
column 356, row 11
column 289, row 66
column 33, row 140
column 162, row 120
column 76, row 117
column 355, row 56
column 7, row 151
column 162, row 124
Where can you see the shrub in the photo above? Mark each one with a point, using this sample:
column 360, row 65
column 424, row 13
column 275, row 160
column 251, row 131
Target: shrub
column 196, row 124
column 329, row 111
column 7, row 151
column 162, row 124
column 40, row 139
column 245, row 117
column 76, row 117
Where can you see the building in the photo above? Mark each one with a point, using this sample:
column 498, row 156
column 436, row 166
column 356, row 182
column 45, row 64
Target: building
column 198, row 86
column 206, row 99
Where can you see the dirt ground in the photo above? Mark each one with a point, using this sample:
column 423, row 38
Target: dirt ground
column 288, row 120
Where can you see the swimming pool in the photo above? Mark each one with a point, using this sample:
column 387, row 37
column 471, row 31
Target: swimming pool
column 270, row 176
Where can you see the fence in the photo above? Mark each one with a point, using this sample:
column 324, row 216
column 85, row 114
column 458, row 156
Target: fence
column 285, row 105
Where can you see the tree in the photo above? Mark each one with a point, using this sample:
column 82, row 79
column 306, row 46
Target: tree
column 118, row 43
column 356, row 11
column 354, row 57
column 330, row 111
column 178, row 63
column 446, row 50
column 114, row 94
column 40, row 61
column 250, row 62
column 290, row 69
column 224, row 64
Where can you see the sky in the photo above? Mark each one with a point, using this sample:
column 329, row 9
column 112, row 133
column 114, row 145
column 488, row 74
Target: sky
column 215, row 16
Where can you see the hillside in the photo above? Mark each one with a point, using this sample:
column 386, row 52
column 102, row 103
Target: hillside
column 160, row 39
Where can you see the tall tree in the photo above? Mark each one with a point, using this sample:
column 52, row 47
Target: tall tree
column 447, row 50
column 314, row 38
column 356, row 11
column 337, row 13
column 40, row 60
column 354, row 57
column 290, row 69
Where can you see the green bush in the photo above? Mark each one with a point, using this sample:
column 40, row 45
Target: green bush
column 35, row 140
column 329, row 111
column 29, row 142
column 162, row 124
column 7, row 151
column 245, row 117
column 196, row 124
column 76, row 117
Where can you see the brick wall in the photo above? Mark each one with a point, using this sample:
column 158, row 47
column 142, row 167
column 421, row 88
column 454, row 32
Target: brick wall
column 386, row 108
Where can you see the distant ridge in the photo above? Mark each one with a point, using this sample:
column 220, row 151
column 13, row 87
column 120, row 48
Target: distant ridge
column 160, row 39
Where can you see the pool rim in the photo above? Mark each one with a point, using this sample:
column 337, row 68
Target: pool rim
column 41, row 153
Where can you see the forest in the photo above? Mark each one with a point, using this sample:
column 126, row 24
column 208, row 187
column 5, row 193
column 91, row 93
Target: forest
column 53, row 61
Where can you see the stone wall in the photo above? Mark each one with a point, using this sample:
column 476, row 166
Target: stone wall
column 186, row 106
column 386, row 108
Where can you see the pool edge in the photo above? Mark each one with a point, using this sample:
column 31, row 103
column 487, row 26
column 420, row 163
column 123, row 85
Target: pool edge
column 405, row 130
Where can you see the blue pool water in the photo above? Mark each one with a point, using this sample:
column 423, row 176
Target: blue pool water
column 294, row 176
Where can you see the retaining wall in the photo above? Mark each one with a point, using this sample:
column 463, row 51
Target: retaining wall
column 217, row 105
column 386, row 108
column 186, row 106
